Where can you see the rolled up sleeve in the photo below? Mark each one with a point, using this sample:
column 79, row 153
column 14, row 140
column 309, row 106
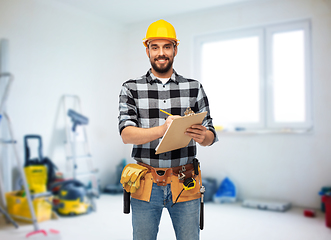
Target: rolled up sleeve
column 203, row 105
column 127, row 110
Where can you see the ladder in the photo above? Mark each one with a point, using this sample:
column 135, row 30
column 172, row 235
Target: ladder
column 13, row 142
column 78, row 153
column 6, row 80
column 4, row 114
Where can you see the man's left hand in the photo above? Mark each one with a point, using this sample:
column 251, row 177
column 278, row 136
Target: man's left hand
column 200, row 134
column 197, row 132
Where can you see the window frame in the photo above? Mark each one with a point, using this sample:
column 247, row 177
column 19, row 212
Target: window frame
column 265, row 34
column 306, row 27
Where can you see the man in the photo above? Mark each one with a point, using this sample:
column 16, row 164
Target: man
column 143, row 124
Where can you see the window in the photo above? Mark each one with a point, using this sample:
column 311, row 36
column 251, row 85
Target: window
column 257, row 78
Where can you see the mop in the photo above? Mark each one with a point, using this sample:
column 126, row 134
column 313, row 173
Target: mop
column 37, row 230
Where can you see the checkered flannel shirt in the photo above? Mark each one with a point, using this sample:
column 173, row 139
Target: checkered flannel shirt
column 140, row 101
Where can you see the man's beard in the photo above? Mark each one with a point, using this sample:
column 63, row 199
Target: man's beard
column 163, row 69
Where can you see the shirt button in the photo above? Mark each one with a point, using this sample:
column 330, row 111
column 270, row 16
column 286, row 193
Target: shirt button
column 164, row 101
column 163, row 86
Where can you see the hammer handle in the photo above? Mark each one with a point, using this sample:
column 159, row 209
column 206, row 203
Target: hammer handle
column 201, row 215
column 126, row 202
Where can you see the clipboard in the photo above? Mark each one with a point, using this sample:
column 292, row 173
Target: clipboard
column 175, row 137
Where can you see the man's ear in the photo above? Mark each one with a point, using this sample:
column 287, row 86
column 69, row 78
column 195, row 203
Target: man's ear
column 176, row 50
column 147, row 52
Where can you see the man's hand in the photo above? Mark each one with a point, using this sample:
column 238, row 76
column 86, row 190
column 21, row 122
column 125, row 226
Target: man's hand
column 169, row 121
column 200, row 134
column 136, row 135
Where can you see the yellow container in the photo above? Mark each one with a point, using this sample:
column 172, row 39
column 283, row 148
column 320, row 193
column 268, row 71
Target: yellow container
column 18, row 207
column 36, row 176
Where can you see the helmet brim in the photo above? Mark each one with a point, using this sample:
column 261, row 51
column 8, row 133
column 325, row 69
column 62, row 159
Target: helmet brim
column 146, row 40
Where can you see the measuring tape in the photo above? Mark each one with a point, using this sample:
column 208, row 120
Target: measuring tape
column 189, row 183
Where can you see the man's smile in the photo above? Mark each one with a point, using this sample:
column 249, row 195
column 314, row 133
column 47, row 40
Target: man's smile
column 162, row 60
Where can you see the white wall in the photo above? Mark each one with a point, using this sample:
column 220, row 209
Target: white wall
column 276, row 166
column 56, row 50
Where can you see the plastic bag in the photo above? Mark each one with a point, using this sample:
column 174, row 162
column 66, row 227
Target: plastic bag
column 226, row 192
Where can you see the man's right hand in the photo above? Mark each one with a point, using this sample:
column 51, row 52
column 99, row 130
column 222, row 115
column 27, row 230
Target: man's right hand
column 137, row 135
column 169, row 121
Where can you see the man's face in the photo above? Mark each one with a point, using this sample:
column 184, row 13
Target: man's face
column 161, row 54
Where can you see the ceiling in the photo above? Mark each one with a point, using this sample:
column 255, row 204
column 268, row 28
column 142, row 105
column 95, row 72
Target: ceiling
column 131, row 11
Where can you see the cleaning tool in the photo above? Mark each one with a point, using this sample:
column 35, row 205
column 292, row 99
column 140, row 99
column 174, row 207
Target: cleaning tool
column 78, row 153
column 8, row 218
column 40, row 160
column 2, row 189
column 77, row 119
column 13, row 142
column 35, row 171
column 18, row 206
column 74, row 198
column 40, row 171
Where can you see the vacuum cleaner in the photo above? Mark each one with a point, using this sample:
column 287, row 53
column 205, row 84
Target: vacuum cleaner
column 77, row 119
column 74, row 198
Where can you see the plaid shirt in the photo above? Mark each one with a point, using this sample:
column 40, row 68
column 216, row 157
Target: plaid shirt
column 140, row 101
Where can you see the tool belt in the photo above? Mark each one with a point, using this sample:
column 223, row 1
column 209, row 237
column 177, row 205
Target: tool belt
column 163, row 176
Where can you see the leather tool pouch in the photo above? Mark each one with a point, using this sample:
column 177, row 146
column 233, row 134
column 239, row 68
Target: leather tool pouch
column 145, row 190
column 187, row 195
column 170, row 176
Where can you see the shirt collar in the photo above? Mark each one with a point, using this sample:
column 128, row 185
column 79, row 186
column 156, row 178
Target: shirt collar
column 152, row 79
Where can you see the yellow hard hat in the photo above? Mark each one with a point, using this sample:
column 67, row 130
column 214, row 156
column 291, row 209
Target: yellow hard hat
column 160, row 30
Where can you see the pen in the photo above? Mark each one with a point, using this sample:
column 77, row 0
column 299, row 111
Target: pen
column 165, row 112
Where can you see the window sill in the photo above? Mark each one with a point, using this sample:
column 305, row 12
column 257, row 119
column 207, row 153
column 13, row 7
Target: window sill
column 263, row 131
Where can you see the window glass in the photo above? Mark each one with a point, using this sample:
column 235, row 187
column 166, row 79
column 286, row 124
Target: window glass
column 289, row 76
column 258, row 78
column 230, row 75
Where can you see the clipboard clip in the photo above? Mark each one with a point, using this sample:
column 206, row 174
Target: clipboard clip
column 188, row 112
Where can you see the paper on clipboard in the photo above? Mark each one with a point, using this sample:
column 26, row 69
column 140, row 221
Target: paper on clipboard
column 175, row 137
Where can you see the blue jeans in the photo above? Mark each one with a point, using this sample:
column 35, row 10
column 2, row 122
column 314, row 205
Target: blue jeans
column 146, row 215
